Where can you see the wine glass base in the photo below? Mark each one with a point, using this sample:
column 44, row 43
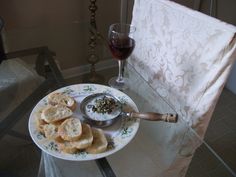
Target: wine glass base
column 118, row 85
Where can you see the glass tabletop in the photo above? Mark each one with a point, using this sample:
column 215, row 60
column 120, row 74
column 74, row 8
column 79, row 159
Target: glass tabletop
column 158, row 149
column 160, row 145
column 157, row 146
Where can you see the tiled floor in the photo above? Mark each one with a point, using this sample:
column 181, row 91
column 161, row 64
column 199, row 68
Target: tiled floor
column 106, row 75
column 221, row 133
column 20, row 158
column 221, row 136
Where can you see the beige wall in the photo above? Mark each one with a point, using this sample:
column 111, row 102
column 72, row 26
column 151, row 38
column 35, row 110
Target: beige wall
column 62, row 25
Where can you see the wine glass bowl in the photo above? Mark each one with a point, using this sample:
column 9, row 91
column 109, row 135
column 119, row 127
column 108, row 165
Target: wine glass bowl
column 121, row 45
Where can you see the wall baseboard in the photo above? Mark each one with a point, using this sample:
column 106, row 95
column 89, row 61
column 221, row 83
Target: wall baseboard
column 80, row 70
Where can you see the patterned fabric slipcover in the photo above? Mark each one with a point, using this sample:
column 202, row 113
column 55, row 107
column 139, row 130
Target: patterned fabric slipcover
column 186, row 57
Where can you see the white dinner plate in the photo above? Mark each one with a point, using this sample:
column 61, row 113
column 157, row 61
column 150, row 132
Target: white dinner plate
column 118, row 135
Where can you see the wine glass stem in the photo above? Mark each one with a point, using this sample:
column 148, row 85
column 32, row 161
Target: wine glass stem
column 121, row 64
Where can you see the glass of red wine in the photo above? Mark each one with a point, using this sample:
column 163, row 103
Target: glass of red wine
column 121, row 45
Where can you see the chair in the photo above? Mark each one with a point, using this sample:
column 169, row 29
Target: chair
column 21, row 86
column 17, row 78
column 186, row 57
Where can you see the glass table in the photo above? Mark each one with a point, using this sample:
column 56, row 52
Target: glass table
column 156, row 150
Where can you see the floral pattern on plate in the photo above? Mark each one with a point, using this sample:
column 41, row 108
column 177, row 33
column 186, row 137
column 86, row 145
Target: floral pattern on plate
column 118, row 135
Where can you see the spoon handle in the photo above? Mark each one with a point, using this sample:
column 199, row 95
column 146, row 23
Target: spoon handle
column 152, row 116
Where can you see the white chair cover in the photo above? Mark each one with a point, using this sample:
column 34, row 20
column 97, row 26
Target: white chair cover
column 186, row 57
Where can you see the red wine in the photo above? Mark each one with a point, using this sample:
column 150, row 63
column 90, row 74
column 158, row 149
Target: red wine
column 121, row 48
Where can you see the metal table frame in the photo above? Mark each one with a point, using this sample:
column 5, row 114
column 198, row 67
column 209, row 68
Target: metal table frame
column 53, row 80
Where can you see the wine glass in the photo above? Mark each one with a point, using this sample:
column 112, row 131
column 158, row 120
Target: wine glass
column 121, row 45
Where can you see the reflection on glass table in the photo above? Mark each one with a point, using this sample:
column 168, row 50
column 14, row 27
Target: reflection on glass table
column 154, row 149
column 157, row 146
column 20, row 88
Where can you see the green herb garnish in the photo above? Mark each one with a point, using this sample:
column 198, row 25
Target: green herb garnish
column 104, row 105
